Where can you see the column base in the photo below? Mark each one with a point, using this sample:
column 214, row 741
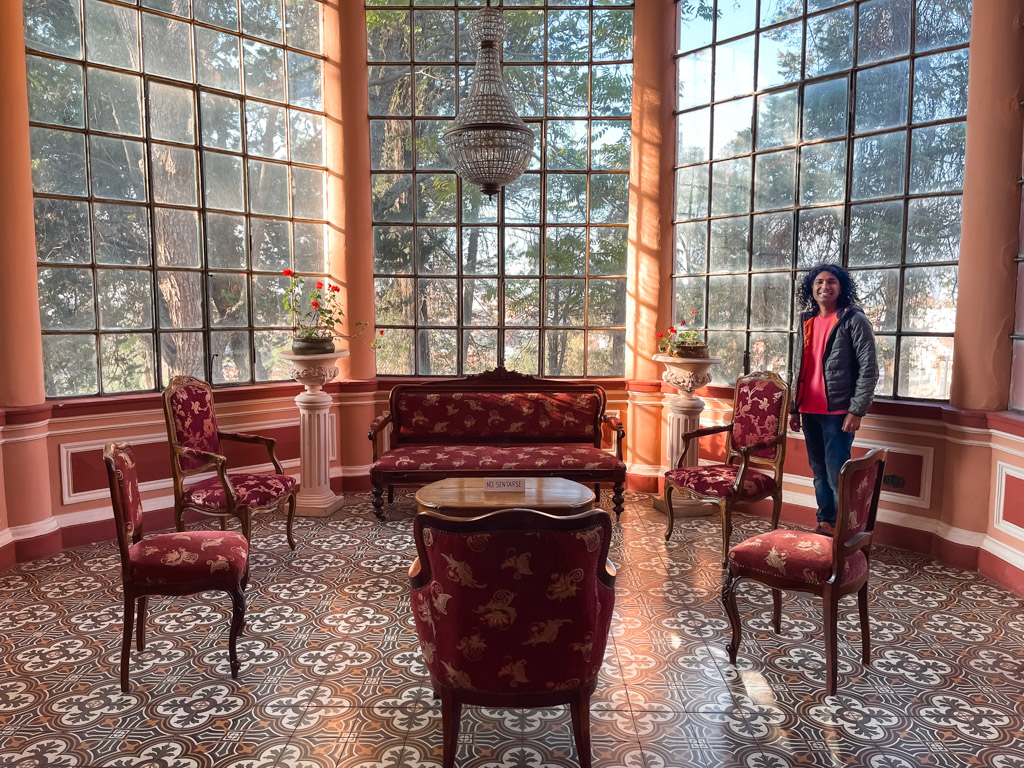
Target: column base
column 684, row 507
column 318, row 506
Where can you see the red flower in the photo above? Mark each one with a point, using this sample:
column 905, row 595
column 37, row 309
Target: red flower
column 335, row 288
column 287, row 273
column 693, row 311
column 661, row 335
column 314, row 304
column 319, row 285
column 682, row 322
column 671, row 330
column 381, row 331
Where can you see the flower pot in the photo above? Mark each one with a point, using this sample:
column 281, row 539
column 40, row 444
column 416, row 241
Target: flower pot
column 692, row 351
column 312, row 346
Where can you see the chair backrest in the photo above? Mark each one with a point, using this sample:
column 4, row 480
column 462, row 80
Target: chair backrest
column 123, row 476
column 760, row 406
column 860, row 485
column 191, row 420
column 515, row 602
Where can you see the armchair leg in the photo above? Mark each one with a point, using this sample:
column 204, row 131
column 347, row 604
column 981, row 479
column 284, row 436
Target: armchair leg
column 725, row 509
column 179, row 518
column 831, row 600
column 291, row 520
column 865, row 625
column 237, row 620
column 777, row 610
column 617, row 491
column 391, row 494
column 126, row 643
column 451, row 710
column 579, row 708
column 776, row 507
column 378, row 502
column 668, row 511
column 729, row 600
column 140, row 629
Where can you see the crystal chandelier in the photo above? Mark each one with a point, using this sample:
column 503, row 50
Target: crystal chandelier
column 488, row 144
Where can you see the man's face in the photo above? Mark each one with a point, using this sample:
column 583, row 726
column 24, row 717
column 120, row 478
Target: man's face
column 826, row 288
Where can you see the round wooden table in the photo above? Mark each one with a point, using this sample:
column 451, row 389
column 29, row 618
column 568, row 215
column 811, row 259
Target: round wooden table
column 466, row 497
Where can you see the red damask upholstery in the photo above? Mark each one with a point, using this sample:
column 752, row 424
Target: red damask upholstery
column 491, row 414
column 828, row 566
column 171, row 563
column 196, row 556
column 717, row 480
column 498, row 458
column 254, row 491
column 513, row 609
column 799, row 557
column 495, row 423
column 195, row 443
column 758, row 416
column 193, row 421
column 756, row 452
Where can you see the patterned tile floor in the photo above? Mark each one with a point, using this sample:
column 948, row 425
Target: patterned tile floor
column 332, row 676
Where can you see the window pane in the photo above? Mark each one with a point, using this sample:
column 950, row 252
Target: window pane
column 124, row 298
column 230, row 357
column 780, row 54
column 62, row 231
column 933, row 229
column 268, row 188
column 225, row 242
column 220, row 13
column 115, row 102
column 884, row 31
column 565, row 249
column 54, row 26
column 926, row 365
column 180, row 300
column 882, row 94
column 929, row 299
column 879, row 292
column 264, row 70
column 563, row 353
column 395, row 352
column 222, row 122
column 121, row 234
column 271, row 245
column 734, row 68
column 176, row 238
column 217, row 60
column 66, row 299
column 126, row 362
column 727, row 301
column 58, row 162
column 729, row 245
column 940, row 86
column 879, row 165
column 55, row 92
column 171, row 114
column 522, row 351
column 822, row 173
column 438, row 352
column 772, row 241
column 302, row 24
column 732, row 128
column 222, row 181
column 168, row 48
column 876, row 234
column 729, row 347
column 693, row 78
column 937, row 158
column 820, row 237
column 775, row 180
column 769, row 352
column 262, row 18
column 118, row 168
column 112, row 35
column 436, row 250
column 174, row 175
column 691, row 248
column 70, row 365
column 770, row 301
column 608, row 251
column 228, row 301
column 689, row 295
column 825, row 109
column 694, row 136
column 829, row 43
column 479, row 350
column 606, row 303
column 730, row 187
column 777, row 119
column 942, row 23
column 606, row 353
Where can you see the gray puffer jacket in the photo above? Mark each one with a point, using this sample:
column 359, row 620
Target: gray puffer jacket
column 849, row 362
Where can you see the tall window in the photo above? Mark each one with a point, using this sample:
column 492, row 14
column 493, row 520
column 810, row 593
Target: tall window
column 833, row 133
column 178, row 167
column 534, row 278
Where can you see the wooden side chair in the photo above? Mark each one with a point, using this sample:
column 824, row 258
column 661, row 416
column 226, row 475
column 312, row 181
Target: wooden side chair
column 195, row 444
column 513, row 609
column 756, row 453
column 827, row 566
column 169, row 563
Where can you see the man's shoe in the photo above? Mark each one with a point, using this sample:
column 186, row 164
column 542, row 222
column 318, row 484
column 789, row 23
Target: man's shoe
column 825, row 529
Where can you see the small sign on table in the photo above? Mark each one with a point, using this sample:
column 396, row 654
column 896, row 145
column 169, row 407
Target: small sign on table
column 505, row 484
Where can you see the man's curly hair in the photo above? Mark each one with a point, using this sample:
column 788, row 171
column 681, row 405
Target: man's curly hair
column 847, row 288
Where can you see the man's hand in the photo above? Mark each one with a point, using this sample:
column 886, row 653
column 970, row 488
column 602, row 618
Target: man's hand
column 851, row 423
column 794, row 422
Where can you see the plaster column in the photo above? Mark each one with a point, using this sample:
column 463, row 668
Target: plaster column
column 649, row 269
column 315, row 498
column 25, row 505
column 991, row 208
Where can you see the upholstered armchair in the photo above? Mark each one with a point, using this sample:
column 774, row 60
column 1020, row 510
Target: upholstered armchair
column 756, row 451
column 195, row 444
column 169, row 563
column 512, row 610
column 827, row 566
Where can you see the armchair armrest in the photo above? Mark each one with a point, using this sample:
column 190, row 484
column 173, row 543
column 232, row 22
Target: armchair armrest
column 616, row 424
column 215, row 460
column 698, row 433
column 746, row 452
column 376, row 426
column 246, row 437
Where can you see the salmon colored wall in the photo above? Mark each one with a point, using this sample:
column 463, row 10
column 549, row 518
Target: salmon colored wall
column 991, row 208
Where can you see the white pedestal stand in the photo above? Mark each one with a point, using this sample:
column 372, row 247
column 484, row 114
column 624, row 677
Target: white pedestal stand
column 315, row 499
column 686, row 374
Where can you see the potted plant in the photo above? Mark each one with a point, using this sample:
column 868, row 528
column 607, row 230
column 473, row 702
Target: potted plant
column 680, row 341
column 314, row 321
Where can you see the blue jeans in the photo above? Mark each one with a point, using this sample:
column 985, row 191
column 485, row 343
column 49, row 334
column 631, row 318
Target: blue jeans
column 828, row 448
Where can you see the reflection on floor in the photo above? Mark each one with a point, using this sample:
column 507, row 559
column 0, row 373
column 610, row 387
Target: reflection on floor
column 332, row 675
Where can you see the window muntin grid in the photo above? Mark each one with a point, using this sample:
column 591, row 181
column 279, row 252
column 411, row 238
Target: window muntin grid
column 851, row 150
column 178, row 167
column 536, row 277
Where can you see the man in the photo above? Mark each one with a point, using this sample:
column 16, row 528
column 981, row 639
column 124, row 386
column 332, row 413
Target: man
column 836, row 375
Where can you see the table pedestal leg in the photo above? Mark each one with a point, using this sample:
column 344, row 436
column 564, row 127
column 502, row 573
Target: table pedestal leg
column 315, row 499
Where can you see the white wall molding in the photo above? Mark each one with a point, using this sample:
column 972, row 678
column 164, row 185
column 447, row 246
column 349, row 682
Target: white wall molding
column 1002, row 552
column 645, row 470
column 6, row 537
column 1004, row 470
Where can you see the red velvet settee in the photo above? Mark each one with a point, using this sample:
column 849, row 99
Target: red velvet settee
column 496, row 424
